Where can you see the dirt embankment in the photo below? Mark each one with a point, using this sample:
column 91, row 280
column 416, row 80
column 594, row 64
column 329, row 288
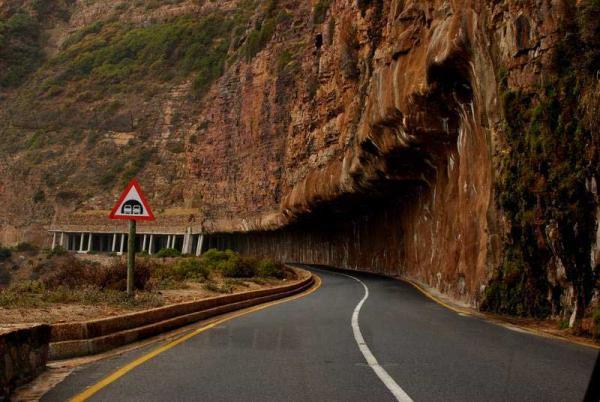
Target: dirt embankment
column 45, row 288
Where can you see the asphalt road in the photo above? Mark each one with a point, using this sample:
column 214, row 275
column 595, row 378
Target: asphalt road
column 308, row 350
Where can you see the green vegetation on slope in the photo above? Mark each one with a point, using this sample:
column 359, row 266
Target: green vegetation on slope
column 264, row 29
column 320, row 11
column 113, row 55
column 544, row 190
column 20, row 52
column 96, row 83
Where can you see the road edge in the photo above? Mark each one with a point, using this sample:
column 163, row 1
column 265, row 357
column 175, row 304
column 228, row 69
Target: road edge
column 460, row 310
column 95, row 388
column 97, row 336
column 493, row 319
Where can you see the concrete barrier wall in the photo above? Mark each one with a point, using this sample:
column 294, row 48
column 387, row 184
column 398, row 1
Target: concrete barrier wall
column 97, row 336
column 23, row 356
column 106, row 326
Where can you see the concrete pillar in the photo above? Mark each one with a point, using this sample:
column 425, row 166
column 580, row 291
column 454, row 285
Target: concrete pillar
column 169, row 241
column 114, row 243
column 122, row 244
column 144, row 243
column 187, row 242
column 199, row 245
column 53, row 240
column 62, row 240
column 81, row 242
column 89, row 243
column 150, row 244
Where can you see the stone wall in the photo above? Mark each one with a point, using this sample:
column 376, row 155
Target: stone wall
column 23, row 356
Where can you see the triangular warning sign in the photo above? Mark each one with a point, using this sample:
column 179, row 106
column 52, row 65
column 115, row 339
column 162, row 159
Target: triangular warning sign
column 132, row 205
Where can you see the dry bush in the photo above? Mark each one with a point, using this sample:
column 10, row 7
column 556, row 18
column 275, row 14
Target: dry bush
column 72, row 273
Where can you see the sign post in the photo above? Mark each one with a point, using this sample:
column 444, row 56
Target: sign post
column 132, row 206
column 130, row 257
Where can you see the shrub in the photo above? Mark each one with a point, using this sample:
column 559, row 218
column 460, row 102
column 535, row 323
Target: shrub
column 320, row 11
column 596, row 324
column 175, row 147
column 215, row 259
column 349, row 50
column 71, row 273
column 189, row 268
column 19, row 295
column 284, row 59
column 35, row 287
column 25, row 247
column 239, row 267
column 39, row 196
column 263, row 33
column 136, row 165
column 58, row 251
column 4, row 276
column 5, row 253
column 232, row 265
column 114, row 276
column 168, row 252
column 269, row 268
column 19, row 48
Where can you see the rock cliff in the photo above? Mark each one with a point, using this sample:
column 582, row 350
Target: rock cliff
column 454, row 142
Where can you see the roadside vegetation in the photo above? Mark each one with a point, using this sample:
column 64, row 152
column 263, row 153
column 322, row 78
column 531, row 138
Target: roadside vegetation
column 58, row 277
column 546, row 188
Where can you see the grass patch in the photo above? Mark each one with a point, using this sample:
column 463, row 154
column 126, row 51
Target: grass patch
column 34, row 294
column 215, row 287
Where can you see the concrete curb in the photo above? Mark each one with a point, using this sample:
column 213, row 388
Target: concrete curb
column 97, row 336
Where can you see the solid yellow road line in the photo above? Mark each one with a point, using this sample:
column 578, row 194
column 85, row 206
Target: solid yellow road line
column 141, row 360
column 435, row 299
column 497, row 321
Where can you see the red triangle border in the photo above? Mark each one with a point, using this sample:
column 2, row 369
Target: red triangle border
column 132, row 183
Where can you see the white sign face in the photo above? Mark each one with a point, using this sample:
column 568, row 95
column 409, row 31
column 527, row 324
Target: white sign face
column 132, row 204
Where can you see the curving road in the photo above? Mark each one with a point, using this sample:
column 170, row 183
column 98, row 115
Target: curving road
column 357, row 338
